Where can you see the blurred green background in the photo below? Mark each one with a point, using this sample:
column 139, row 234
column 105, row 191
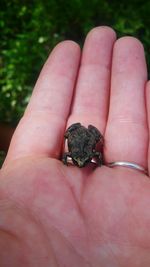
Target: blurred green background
column 30, row 29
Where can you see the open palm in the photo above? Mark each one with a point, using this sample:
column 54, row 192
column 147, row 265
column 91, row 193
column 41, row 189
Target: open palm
column 57, row 215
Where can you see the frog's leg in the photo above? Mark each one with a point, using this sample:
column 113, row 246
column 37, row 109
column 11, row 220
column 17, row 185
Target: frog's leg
column 64, row 157
column 99, row 156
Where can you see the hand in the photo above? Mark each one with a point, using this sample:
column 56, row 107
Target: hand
column 56, row 215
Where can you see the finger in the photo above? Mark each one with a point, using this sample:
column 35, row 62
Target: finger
column 126, row 135
column 148, row 113
column 90, row 105
column 41, row 129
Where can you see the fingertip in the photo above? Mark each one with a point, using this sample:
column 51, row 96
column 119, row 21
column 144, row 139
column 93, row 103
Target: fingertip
column 106, row 30
column 98, row 47
column 64, row 57
column 130, row 41
column 67, row 45
column 129, row 58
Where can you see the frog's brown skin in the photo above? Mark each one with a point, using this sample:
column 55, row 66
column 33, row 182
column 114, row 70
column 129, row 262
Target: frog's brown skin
column 81, row 145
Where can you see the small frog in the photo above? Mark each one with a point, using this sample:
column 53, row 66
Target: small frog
column 81, row 144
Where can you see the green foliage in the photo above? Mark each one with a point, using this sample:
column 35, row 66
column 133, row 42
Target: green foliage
column 30, row 29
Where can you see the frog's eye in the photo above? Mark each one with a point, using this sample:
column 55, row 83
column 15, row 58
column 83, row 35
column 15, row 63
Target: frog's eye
column 73, row 127
column 95, row 132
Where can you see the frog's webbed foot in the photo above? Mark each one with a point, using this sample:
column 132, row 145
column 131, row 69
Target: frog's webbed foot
column 64, row 157
column 99, row 156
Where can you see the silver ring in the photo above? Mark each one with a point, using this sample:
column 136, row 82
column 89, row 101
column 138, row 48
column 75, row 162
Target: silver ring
column 127, row 164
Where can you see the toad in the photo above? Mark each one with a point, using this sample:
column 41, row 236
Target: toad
column 82, row 142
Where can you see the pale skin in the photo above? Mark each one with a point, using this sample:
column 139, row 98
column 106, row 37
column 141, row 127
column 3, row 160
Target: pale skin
column 56, row 215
